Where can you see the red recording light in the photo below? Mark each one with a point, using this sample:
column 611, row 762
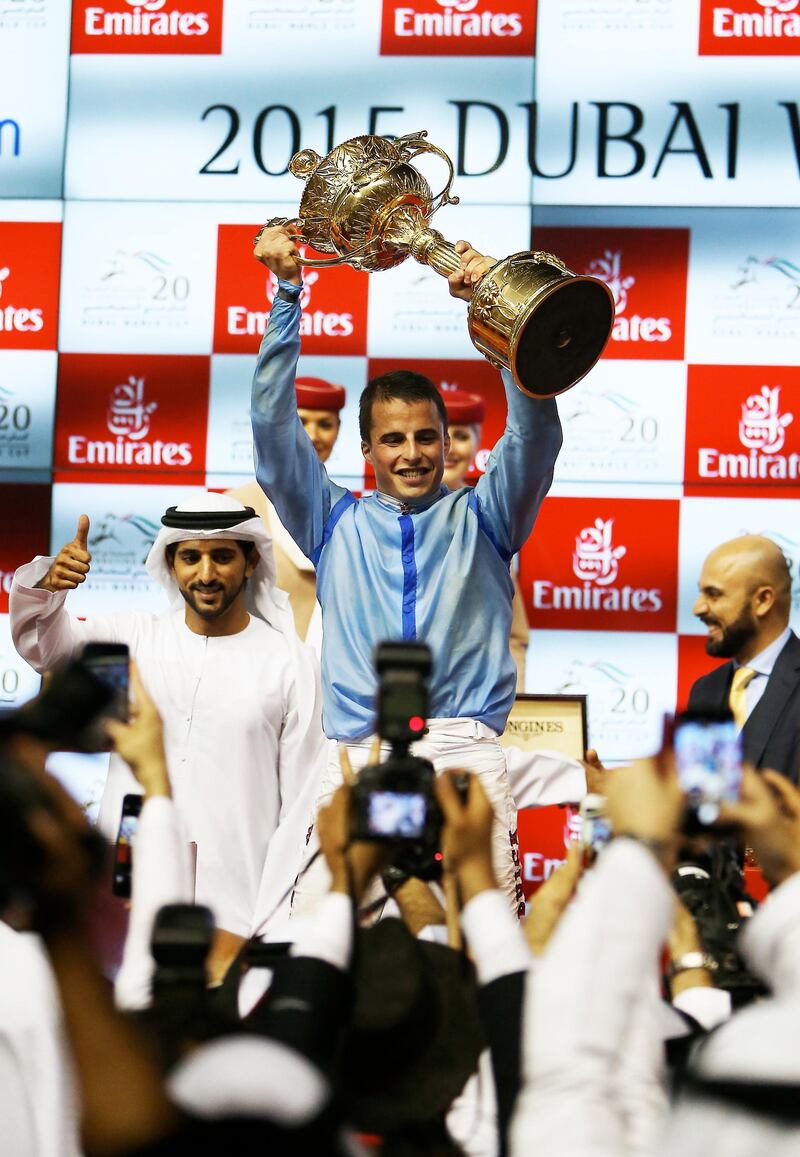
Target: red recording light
column 437, row 856
column 416, row 723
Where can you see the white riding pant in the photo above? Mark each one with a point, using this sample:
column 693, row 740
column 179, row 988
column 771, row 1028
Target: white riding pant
column 464, row 744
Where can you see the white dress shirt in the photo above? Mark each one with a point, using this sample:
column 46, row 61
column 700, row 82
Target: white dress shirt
column 762, row 664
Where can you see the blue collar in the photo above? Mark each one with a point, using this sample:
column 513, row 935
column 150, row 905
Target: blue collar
column 411, row 507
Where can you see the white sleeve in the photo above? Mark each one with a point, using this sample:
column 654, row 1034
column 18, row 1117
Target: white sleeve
column 542, row 778
column 303, row 746
column 710, row 1007
column 16, row 1106
column 329, row 936
column 496, row 940
column 161, row 875
column 43, row 632
column 771, row 939
column 579, row 1001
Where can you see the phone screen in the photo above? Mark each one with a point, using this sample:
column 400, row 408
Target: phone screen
column 123, row 851
column 110, row 664
column 708, row 755
column 596, row 830
column 397, row 813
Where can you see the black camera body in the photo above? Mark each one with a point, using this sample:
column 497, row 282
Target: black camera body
column 710, row 884
column 393, row 802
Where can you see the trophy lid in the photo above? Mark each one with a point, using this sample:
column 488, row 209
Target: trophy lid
column 345, row 169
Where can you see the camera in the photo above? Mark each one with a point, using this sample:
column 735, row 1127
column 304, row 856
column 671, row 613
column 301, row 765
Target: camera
column 393, row 802
column 710, row 883
column 71, row 699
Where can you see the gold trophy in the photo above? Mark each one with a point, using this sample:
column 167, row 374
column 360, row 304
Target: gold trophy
column 366, row 203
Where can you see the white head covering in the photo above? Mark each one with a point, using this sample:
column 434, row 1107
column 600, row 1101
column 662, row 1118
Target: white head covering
column 227, row 518
column 249, row 1076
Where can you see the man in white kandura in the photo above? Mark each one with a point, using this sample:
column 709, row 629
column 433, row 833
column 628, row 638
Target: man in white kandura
column 237, row 690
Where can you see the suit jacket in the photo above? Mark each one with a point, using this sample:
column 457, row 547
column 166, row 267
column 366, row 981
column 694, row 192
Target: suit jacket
column 771, row 735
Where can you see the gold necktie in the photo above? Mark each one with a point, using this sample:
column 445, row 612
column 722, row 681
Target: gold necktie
column 737, row 700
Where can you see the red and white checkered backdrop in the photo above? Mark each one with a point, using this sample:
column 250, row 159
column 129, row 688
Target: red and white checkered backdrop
column 653, row 143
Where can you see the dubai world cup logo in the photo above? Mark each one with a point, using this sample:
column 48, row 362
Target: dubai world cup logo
column 596, row 559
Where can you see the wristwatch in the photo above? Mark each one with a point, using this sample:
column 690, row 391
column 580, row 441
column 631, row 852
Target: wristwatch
column 285, row 294
column 691, row 960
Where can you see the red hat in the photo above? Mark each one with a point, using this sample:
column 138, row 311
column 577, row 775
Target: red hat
column 463, row 408
column 317, row 394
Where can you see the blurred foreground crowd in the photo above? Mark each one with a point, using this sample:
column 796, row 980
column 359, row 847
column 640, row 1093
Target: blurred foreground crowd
column 593, row 1027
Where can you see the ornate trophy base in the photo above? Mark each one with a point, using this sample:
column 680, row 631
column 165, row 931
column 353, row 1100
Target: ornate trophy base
column 532, row 316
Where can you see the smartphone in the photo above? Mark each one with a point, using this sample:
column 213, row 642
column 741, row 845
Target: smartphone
column 123, row 850
column 109, row 663
column 708, row 757
column 596, row 830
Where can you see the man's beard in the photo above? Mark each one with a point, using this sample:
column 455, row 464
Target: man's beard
column 212, row 612
column 733, row 637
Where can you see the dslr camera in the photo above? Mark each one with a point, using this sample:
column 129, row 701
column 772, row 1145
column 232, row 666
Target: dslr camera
column 393, row 802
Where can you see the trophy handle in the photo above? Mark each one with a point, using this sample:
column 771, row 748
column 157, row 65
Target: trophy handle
column 411, row 146
column 295, row 226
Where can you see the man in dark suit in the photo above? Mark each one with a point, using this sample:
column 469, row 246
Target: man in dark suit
column 745, row 600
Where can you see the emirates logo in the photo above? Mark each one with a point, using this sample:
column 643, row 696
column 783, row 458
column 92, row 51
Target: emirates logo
column 628, row 327
column 596, row 559
column 128, row 414
column 762, row 424
column 457, row 27
column 609, row 269
column 13, row 319
column 774, row 23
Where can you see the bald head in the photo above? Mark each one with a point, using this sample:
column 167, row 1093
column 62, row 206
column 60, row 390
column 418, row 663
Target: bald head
column 745, row 596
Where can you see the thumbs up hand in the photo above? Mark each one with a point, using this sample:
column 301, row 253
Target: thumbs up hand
column 71, row 564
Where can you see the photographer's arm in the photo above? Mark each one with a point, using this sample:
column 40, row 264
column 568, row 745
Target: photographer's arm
column 161, row 870
column 590, row 977
column 123, row 1103
column 309, row 1001
column 495, row 939
column 768, row 816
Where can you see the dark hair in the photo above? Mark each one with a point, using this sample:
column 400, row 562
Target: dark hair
column 403, row 385
column 246, row 544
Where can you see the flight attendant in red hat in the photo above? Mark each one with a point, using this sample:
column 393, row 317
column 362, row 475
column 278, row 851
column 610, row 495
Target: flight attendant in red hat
column 465, row 415
column 319, row 404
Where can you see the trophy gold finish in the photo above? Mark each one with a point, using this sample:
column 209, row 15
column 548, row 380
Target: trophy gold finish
column 367, row 204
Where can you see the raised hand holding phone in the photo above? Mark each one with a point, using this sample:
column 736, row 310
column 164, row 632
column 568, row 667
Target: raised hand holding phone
column 140, row 742
column 71, row 564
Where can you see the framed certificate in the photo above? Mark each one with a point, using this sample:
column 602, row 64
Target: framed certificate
column 548, row 722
